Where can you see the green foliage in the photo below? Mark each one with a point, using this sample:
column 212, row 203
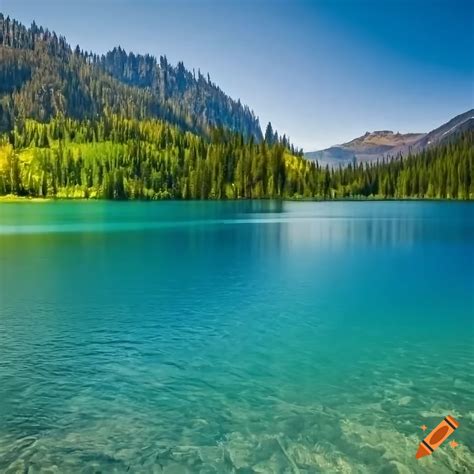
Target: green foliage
column 125, row 126
column 41, row 77
column 118, row 158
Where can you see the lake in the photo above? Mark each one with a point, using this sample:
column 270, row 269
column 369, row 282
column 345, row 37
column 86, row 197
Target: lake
column 243, row 337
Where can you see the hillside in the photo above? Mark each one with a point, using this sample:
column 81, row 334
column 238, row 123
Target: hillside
column 378, row 145
column 42, row 77
column 126, row 126
column 447, row 131
column 118, row 158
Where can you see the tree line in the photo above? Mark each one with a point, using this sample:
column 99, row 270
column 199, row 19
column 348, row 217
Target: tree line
column 113, row 157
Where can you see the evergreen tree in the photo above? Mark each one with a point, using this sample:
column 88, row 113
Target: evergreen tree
column 269, row 136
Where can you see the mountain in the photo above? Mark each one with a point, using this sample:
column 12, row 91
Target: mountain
column 454, row 127
column 41, row 77
column 373, row 146
column 368, row 147
column 126, row 126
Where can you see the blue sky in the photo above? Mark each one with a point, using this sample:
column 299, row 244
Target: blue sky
column 323, row 71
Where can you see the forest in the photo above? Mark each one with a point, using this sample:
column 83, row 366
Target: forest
column 74, row 124
column 41, row 76
column 119, row 158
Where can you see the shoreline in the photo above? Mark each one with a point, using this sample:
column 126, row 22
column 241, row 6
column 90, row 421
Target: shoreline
column 13, row 198
column 10, row 198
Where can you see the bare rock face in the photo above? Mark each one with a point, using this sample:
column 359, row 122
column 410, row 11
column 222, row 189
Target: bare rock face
column 384, row 144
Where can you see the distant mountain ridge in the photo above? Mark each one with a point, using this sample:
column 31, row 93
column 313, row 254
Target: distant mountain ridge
column 377, row 145
column 41, row 77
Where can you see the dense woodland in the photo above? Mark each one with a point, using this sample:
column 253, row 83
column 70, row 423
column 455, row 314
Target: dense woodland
column 41, row 77
column 118, row 158
column 123, row 126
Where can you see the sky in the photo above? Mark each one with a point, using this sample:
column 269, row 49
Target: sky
column 322, row 71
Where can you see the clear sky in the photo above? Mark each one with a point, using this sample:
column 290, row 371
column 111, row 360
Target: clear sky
column 323, row 71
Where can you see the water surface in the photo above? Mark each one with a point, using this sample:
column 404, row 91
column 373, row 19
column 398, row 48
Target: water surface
column 235, row 336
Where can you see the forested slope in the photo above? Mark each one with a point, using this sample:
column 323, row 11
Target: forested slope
column 118, row 158
column 123, row 126
column 41, row 77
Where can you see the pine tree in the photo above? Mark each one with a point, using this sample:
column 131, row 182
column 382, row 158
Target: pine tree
column 269, row 134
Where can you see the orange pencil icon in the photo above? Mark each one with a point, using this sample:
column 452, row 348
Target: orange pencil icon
column 437, row 437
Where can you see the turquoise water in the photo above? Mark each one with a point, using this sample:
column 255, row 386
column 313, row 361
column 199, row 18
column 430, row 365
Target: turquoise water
column 246, row 337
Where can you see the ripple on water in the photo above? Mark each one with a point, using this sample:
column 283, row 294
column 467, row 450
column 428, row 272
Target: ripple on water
column 237, row 337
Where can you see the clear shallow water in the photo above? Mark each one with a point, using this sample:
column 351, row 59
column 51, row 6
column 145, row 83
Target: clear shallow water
column 235, row 337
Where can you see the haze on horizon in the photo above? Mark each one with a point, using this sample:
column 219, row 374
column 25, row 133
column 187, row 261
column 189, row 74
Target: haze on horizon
column 323, row 72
